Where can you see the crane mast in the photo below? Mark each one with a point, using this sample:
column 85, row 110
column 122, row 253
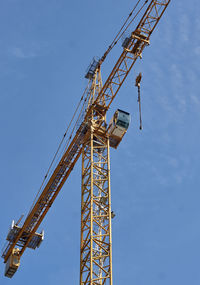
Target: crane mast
column 96, row 245
column 92, row 139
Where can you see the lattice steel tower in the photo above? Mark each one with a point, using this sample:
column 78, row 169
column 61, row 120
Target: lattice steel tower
column 96, row 239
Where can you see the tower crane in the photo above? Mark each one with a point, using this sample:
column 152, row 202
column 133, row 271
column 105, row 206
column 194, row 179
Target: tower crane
column 92, row 137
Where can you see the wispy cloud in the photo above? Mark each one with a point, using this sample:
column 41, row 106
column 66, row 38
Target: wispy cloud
column 22, row 53
column 184, row 27
column 177, row 83
column 197, row 50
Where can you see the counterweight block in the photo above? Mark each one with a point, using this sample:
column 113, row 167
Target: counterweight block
column 12, row 263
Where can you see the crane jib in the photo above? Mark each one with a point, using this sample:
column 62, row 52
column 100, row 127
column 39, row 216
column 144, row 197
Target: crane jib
column 137, row 42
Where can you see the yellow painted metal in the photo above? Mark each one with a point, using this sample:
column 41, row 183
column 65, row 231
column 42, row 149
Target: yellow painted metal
column 13, row 263
column 96, row 239
column 94, row 120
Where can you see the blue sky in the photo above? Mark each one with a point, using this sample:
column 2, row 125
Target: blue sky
column 45, row 49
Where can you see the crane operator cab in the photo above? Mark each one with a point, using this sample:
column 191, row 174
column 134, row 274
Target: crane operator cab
column 118, row 127
column 12, row 263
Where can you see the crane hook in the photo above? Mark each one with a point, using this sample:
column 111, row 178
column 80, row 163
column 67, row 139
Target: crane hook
column 137, row 84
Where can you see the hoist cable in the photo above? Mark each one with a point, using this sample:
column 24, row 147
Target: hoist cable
column 121, row 31
column 67, row 142
column 60, row 144
column 125, row 23
column 135, row 17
